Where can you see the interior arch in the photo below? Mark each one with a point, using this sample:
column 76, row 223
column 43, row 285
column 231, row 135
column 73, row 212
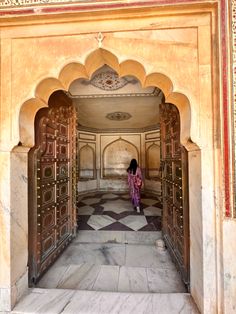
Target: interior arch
column 86, row 162
column 114, row 156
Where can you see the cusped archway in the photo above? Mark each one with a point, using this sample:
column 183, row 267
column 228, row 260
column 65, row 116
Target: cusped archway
column 93, row 62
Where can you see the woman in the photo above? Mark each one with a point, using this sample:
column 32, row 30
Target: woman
column 135, row 183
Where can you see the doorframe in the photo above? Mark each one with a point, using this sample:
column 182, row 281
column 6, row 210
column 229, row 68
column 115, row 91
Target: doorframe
column 98, row 58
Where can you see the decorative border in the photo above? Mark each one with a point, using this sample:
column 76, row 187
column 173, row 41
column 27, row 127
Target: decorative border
column 85, row 136
column 117, row 130
column 35, row 7
column 233, row 31
column 225, row 100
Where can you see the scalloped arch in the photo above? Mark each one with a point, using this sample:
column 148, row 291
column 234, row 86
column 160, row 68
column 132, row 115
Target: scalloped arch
column 46, row 87
column 28, row 112
column 93, row 62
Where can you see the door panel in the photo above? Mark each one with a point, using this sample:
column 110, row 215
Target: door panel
column 175, row 189
column 52, row 184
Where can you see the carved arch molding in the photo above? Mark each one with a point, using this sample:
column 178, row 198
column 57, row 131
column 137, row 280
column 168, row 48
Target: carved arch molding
column 94, row 61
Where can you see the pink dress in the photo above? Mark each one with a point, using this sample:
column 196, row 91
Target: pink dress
column 134, row 191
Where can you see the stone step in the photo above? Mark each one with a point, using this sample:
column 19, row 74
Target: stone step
column 113, row 278
column 55, row 301
column 123, row 237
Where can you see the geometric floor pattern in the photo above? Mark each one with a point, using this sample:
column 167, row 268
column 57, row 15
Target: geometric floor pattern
column 114, row 211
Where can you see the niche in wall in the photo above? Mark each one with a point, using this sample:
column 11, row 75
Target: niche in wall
column 116, row 158
column 153, row 156
column 86, row 162
column 153, row 161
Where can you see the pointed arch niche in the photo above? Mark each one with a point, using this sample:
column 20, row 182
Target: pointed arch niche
column 116, row 158
column 86, row 163
column 153, row 161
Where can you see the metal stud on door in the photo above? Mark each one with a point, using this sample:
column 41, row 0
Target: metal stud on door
column 52, row 184
column 175, row 189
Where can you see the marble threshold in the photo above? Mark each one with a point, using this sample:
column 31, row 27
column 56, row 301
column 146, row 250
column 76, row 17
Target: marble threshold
column 60, row 301
column 144, row 285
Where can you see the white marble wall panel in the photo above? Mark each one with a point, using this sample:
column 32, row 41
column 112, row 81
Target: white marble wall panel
column 114, row 185
column 5, row 298
column 229, row 278
column 152, row 185
column 123, row 147
column 13, row 269
column 87, row 136
column 86, row 186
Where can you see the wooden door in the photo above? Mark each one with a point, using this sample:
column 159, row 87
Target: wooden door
column 52, row 184
column 175, row 189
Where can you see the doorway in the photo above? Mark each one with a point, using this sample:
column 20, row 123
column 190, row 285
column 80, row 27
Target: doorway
column 106, row 207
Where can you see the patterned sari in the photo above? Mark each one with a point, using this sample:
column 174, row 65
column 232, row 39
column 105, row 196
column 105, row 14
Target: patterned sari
column 134, row 191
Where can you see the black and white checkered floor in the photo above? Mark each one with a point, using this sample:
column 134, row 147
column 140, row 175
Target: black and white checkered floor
column 114, row 211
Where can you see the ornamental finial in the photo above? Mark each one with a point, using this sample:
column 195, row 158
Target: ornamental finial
column 100, row 39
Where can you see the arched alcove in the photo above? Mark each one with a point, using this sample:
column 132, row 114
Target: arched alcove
column 116, row 158
column 153, row 161
column 86, row 163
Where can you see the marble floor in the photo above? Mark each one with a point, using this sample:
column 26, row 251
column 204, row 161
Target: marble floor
column 114, row 265
column 115, row 261
column 59, row 301
column 114, row 211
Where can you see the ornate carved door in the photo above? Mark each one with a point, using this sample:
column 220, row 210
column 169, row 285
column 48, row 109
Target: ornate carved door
column 175, row 189
column 52, row 184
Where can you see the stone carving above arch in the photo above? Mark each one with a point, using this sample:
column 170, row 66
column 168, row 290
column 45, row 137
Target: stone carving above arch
column 116, row 158
column 93, row 62
column 86, row 163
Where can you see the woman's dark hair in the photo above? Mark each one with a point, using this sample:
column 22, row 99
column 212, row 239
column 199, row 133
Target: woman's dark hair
column 133, row 166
